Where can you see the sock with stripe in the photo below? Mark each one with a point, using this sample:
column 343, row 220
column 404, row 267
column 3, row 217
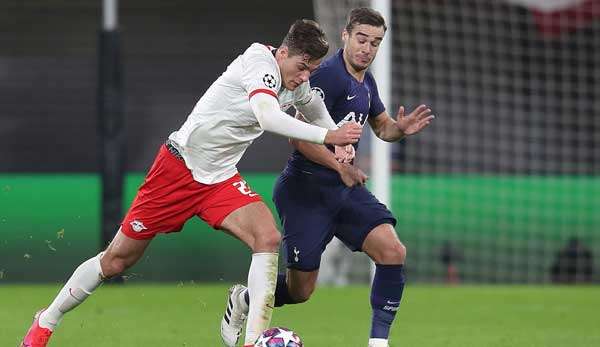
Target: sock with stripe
column 85, row 279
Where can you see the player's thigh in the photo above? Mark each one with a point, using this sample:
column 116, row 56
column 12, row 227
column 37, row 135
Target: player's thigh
column 122, row 253
column 306, row 219
column 165, row 201
column 254, row 225
column 301, row 284
column 383, row 245
column 360, row 215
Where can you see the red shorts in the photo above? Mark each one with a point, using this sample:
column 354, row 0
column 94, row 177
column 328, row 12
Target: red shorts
column 170, row 196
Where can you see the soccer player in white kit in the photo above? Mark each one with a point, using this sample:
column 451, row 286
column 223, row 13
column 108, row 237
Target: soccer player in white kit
column 195, row 173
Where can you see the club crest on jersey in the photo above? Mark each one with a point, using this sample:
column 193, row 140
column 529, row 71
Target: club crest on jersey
column 269, row 81
column 319, row 92
column 137, row 226
column 296, row 255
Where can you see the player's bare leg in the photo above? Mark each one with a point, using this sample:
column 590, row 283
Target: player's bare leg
column 388, row 253
column 121, row 254
column 253, row 224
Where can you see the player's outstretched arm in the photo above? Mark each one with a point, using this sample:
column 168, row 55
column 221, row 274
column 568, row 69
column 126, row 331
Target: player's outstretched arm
column 315, row 112
column 391, row 130
column 272, row 119
column 319, row 154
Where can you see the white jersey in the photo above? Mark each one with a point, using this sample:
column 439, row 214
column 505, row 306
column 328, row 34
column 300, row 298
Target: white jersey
column 222, row 125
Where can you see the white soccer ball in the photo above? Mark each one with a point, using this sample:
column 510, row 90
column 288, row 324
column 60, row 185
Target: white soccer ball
column 278, row 337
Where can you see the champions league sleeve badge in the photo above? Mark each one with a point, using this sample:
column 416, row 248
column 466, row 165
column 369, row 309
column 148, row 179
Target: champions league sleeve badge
column 269, row 81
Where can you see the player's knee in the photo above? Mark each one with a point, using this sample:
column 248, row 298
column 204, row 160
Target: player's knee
column 393, row 253
column 267, row 240
column 302, row 294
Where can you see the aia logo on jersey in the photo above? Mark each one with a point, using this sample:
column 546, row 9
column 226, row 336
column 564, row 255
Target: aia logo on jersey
column 353, row 117
column 269, row 81
column 318, row 91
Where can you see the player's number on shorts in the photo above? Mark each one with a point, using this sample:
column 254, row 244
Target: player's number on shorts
column 242, row 186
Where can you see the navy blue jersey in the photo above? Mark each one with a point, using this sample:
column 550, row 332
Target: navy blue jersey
column 346, row 99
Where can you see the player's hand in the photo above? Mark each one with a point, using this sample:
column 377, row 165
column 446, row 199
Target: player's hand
column 351, row 175
column 416, row 121
column 344, row 154
column 347, row 134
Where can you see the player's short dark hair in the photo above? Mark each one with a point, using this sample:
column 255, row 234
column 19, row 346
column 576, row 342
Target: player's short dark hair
column 306, row 37
column 364, row 15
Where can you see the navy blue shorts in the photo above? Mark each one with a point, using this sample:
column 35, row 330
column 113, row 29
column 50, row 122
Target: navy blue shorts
column 313, row 210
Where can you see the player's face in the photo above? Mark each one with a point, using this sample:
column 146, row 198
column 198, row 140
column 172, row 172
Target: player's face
column 296, row 69
column 361, row 45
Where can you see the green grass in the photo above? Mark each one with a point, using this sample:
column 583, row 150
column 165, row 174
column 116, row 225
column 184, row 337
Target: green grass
column 189, row 315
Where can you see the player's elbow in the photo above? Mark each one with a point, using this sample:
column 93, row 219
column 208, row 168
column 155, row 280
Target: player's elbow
column 264, row 114
column 263, row 122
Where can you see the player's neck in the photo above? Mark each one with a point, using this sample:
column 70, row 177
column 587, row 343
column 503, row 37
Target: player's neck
column 358, row 75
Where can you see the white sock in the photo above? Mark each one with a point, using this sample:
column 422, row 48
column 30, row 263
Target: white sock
column 378, row 343
column 87, row 277
column 262, row 279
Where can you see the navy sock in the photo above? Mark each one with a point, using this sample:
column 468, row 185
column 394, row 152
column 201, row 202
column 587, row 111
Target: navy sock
column 282, row 295
column 386, row 293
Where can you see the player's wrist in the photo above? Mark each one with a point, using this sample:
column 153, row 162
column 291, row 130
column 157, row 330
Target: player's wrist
column 337, row 166
column 329, row 138
column 399, row 134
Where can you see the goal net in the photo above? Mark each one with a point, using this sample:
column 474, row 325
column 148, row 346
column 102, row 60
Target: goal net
column 504, row 186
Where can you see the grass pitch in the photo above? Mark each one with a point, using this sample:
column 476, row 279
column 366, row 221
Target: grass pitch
column 430, row 316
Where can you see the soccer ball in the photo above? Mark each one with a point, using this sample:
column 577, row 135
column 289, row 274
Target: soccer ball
column 278, row 337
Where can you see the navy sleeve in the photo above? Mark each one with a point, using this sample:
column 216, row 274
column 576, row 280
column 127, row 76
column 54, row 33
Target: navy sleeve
column 376, row 105
column 327, row 85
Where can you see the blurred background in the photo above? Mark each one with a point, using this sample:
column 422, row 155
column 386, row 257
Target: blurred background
column 503, row 187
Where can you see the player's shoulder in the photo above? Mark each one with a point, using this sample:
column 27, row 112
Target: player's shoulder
column 331, row 77
column 259, row 49
column 332, row 66
column 259, row 53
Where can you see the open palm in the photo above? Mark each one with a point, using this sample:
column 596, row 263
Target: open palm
column 416, row 121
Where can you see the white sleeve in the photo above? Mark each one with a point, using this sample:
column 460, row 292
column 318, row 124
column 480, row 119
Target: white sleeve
column 272, row 119
column 259, row 73
column 316, row 112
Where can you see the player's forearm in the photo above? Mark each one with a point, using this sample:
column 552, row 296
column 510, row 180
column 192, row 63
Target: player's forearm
column 272, row 119
column 388, row 131
column 316, row 113
column 317, row 153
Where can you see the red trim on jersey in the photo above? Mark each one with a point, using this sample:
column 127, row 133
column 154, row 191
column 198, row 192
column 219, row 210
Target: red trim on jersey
column 266, row 91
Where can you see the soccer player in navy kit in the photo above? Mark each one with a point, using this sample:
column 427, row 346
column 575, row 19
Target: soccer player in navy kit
column 320, row 194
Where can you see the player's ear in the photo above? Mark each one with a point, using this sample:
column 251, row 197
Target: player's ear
column 345, row 35
column 284, row 51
